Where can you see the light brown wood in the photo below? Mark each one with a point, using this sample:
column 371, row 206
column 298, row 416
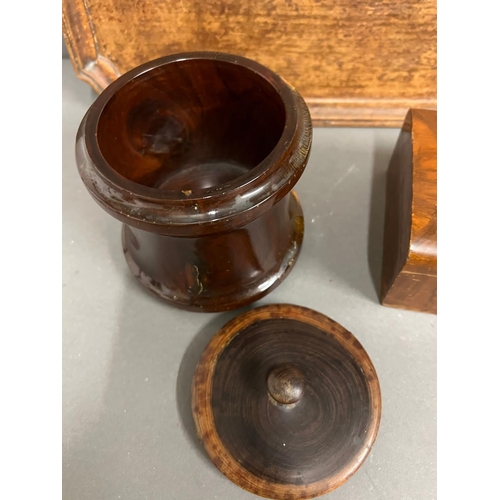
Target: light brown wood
column 357, row 63
column 409, row 273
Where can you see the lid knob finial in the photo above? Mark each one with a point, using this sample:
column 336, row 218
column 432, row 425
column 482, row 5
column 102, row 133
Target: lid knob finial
column 286, row 384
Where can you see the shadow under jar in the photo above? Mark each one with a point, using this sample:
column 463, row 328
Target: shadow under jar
column 197, row 154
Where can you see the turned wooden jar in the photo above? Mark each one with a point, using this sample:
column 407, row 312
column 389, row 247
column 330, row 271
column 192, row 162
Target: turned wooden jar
column 197, row 154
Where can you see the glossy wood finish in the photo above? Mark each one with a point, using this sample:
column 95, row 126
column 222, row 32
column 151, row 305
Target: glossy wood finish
column 319, row 437
column 357, row 63
column 219, row 271
column 285, row 384
column 197, row 155
column 409, row 274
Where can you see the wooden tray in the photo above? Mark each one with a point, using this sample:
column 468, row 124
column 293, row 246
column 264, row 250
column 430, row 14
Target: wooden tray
column 356, row 63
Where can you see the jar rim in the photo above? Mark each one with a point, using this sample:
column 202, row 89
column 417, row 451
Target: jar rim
column 272, row 178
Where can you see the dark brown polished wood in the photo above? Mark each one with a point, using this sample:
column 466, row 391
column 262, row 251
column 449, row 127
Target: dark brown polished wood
column 197, row 154
column 286, row 384
column 409, row 271
column 286, row 402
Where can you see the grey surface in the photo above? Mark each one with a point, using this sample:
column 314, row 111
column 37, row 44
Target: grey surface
column 128, row 358
column 65, row 54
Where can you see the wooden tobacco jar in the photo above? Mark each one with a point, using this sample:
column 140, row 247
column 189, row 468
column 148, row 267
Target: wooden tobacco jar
column 197, row 155
column 286, row 402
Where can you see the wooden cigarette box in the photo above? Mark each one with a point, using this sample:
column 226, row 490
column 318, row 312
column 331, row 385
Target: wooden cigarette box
column 409, row 270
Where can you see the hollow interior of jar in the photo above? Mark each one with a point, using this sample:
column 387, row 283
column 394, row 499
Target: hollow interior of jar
column 191, row 125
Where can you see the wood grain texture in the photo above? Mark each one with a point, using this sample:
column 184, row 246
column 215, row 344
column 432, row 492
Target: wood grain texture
column 221, row 271
column 356, row 62
column 285, row 384
column 409, row 272
column 286, row 451
column 197, row 155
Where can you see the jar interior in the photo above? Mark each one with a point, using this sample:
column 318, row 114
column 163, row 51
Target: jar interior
column 191, row 125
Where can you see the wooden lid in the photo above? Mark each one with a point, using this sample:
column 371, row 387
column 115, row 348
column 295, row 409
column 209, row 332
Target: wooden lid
column 286, row 402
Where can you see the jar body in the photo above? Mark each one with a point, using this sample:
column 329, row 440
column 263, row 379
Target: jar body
column 197, row 154
column 219, row 271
